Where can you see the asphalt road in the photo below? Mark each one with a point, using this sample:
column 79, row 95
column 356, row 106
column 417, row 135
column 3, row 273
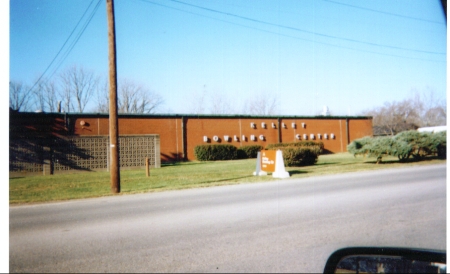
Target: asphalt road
column 289, row 225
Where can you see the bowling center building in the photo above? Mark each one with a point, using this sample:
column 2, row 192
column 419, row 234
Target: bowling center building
column 54, row 142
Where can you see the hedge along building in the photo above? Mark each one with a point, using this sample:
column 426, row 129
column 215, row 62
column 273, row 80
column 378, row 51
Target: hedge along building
column 171, row 137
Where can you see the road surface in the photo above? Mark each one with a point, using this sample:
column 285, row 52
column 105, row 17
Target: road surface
column 289, row 225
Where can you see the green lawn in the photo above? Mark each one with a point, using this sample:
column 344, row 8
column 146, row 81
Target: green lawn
column 79, row 185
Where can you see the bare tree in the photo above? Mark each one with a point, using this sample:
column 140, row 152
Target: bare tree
column 46, row 96
column 432, row 108
column 102, row 95
column 51, row 97
column 261, row 104
column 197, row 102
column 419, row 110
column 38, row 94
column 436, row 116
column 134, row 98
column 395, row 117
column 78, row 85
column 219, row 104
column 214, row 103
column 19, row 96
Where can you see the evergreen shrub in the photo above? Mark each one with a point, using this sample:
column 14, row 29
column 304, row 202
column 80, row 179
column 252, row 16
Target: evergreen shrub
column 251, row 151
column 439, row 139
column 299, row 153
column 300, row 156
column 296, row 144
column 360, row 146
column 215, row 152
column 403, row 145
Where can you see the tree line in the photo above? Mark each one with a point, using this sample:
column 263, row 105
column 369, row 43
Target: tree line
column 77, row 88
column 420, row 109
column 262, row 103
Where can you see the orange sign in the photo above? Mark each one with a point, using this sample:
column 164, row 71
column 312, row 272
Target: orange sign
column 268, row 159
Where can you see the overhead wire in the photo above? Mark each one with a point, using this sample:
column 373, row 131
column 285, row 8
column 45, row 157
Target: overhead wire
column 87, row 22
column 80, row 33
column 67, row 40
column 305, row 31
column 384, row 12
column 282, row 34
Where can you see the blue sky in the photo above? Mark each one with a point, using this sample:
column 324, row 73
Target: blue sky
column 348, row 55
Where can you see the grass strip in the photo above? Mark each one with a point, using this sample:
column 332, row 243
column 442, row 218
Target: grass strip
column 89, row 184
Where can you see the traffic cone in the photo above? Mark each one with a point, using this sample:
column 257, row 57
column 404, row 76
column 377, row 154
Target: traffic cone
column 280, row 171
column 258, row 171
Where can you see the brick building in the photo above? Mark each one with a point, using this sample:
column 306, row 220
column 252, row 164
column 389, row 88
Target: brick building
column 177, row 135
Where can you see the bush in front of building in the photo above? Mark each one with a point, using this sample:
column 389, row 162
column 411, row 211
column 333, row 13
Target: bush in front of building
column 360, row 146
column 300, row 156
column 245, row 152
column 215, row 152
column 299, row 153
column 379, row 147
column 439, row 139
column 403, row 145
column 296, row 144
column 423, row 144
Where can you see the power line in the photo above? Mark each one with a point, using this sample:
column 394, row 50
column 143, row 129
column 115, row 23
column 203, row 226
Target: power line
column 80, row 33
column 285, row 35
column 384, row 12
column 305, row 31
column 65, row 42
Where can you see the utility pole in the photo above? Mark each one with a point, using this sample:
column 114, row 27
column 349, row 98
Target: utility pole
column 113, row 121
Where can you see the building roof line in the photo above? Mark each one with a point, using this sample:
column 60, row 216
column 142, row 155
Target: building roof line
column 211, row 116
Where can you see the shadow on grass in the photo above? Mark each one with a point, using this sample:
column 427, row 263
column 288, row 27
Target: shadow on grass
column 167, row 164
column 297, row 171
column 386, row 162
column 349, row 163
column 407, row 161
column 430, row 158
column 188, row 163
column 225, row 180
column 158, row 186
column 325, row 164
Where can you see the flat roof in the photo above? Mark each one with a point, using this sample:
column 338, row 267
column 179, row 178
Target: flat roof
column 209, row 116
